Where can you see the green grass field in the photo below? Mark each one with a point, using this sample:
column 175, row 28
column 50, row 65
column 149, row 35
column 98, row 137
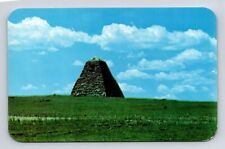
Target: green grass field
column 66, row 118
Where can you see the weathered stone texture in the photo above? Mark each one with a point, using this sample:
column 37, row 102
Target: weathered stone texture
column 96, row 80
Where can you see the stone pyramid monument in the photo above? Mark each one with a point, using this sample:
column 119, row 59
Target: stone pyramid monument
column 96, row 80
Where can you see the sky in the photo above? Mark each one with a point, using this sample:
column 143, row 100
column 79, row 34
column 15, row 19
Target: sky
column 152, row 53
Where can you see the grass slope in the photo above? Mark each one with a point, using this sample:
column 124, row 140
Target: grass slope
column 109, row 119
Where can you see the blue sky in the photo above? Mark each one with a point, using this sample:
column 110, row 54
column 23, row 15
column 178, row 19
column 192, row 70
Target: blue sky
column 152, row 53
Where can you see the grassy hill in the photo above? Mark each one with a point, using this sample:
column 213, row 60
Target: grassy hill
column 66, row 118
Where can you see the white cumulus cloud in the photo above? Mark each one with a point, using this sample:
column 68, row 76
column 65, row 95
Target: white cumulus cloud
column 131, row 88
column 121, row 36
column 162, row 88
column 132, row 73
column 34, row 33
column 171, row 92
column 180, row 75
column 66, row 89
column 78, row 63
column 28, row 87
column 188, row 55
column 41, row 53
column 180, row 88
column 109, row 63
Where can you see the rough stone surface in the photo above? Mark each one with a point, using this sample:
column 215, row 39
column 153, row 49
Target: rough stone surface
column 96, row 80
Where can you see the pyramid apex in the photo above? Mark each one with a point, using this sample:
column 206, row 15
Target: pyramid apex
column 96, row 59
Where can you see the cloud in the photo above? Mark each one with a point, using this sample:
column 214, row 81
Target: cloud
column 162, row 88
column 66, row 89
column 41, row 53
column 171, row 92
column 180, row 75
column 109, row 63
column 196, row 81
column 166, row 96
column 78, row 63
column 197, row 78
column 29, row 87
column 121, row 36
column 188, row 55
column 135, row 54
column 178, row 61
column 52, row 49
column 180, row 88
column 130, row 88
column 34, row 33
column 132, row 73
